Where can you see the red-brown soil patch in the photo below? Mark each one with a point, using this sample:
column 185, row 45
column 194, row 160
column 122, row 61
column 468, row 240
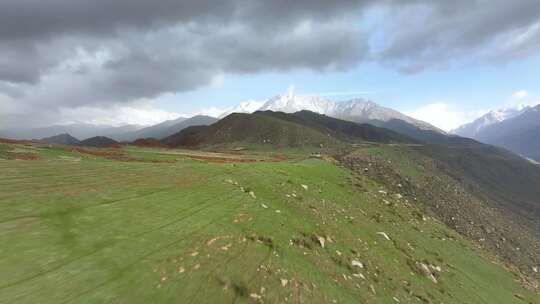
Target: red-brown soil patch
column 229, row 160
column 100, row 153
column 14, row 141
column 222, row 160
column 116, row 155
column 148, row 142
column 22, row 156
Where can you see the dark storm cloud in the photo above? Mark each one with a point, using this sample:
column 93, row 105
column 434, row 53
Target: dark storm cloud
column 74, row 53
column 154, row 47
column 427, row 34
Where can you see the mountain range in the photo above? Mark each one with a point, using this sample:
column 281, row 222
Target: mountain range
column 78, row 130
column 279, row 129
column 62, row 139
column 355, row 110
column 167, row 128
column 516, row 129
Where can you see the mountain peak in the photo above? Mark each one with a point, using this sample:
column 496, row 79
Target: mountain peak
column 490, row 118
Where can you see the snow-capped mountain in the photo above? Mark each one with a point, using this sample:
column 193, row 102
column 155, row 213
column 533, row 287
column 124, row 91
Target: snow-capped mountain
column 516, row 129
column 244, row 107
column 492, row 117
column 357, row 110
column 291, row 103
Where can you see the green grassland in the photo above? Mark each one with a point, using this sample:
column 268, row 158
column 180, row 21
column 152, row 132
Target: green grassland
column 158, row 226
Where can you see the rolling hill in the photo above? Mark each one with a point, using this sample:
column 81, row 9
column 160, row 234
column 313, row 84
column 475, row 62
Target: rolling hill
column 421, row 134
column 168, row 128
column 61, row 139
column 251, row 129
column 79, row 130
column 341, row 129
column 99, row 142
column 355, row 110
column 282, row 130
column 160, row 226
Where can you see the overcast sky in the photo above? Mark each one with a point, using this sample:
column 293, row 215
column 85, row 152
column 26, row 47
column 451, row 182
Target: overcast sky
column 141, row 62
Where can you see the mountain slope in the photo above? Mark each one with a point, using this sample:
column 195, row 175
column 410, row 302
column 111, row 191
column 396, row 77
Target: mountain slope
column 526, row 143
column 424, row 135
column 251, row 128
column 247, row 107
column 519, row 132
column 99, row 142
column 298, row 231
column 168, row 128
column 467, row 189
column 472, row 129
column 341, row 129
column 356, row 110
column 61, row 139
column 283, row 130
column 76, row 130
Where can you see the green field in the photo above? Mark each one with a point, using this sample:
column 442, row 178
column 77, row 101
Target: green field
column 161, row 226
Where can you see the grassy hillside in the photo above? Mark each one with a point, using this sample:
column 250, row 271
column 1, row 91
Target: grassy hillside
column 252, row 128
column 61, row 139
column 494, row 173
column 451, row 198
column 341, row 129
column 424, row 135
column 169, row 226
column 168, row 128
column 277, row 129
column 99, row 142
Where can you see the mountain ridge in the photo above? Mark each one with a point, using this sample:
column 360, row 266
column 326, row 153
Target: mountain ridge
column 168, row 127
column 517, row 130
column 61, row 139
column 356, row 110
column 280, row 129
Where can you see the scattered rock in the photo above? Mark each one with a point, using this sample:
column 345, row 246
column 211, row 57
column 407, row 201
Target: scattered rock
column 426, row 271
column 226, row 247
column 264, row 206
column 284, row 282
column 357, row 264
column 383, row 234
column 252, row 194
column 321, row 240
column 305, row 187
column 436, row 268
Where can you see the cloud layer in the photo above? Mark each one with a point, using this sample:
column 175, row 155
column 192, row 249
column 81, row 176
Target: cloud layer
column 62, row 55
